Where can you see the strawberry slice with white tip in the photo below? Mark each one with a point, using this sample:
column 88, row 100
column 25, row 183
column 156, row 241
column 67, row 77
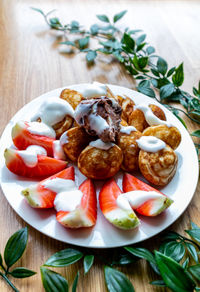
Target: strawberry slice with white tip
column 25, row 134
column 40, row 166
column 144, row 199
column 81, row 205
column 39, row 196
column 123, row 218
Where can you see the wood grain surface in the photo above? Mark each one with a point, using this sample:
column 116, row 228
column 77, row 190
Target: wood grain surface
column 30, row 64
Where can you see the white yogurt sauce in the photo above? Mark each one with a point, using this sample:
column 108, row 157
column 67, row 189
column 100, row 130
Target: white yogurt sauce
column 58, row 152
column 151, row 119
column 68, row 196
column 127, row 130
column 64, row 139
column 29, row 155
column 95, row 89
column 53, row 110
column 97, row 123
column 150, row 144
column 81, row 110
column 135, row 199
column 101, row 145
column 41, row 129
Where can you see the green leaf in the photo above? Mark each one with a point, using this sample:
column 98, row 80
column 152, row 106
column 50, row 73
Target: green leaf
column 68, row 43
column 91, row 55
column 178, row 76
column 94, row 29
column 15, row 246
column 194, row 226
column 75, row 282
column 173, row 249
column 21, row 272
column 143, row 253
column 74, row 24
column 150, row 50
column 52, row 281
column 83, row 42
column 147, row 91
column 1, row 260
column 192, row 250
column 142, row 62
column 144, row 83
column 54, row 22
column 64, row 258
column 140, row 39
column 155, row 72
column 103, row 17
column 128, row 41
column 196, row 133
column 194, row 233
column 171, row 235
column 159, row 283
column 171, row 71
column 185, row 263
column 117, row 281
column 119, row 15
column 88, row 262
column 173, row 274
column 38, row 10
column 162, row 66
column 166, row 90
column 195, row 271
column 123, row 259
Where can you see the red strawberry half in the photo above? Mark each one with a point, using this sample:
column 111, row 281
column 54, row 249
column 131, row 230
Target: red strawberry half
column 151, row 207
column 85, row 214
column 22, row 138
column 45, row 166
column 122, row 218
column 38, row 196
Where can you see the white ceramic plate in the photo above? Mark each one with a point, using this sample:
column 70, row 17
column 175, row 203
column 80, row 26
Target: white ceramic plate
column 103, row 235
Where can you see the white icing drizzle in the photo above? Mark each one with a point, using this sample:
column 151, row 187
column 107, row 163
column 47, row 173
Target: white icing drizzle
column 68, row 196
column 151, row 119
column 53, row 110
column 101, row 145
column 150, row 144
column 30, row 155
column 58, row 152
column 97, row 123
column 127, row 130
column 95, row 89
column 135, row 199
column 41, row 129
column 64, row 139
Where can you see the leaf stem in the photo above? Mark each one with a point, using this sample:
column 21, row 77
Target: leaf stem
column 9, row 282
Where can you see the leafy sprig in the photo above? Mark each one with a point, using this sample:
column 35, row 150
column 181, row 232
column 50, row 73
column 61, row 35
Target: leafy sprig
column 13, row 251
column 176, row 262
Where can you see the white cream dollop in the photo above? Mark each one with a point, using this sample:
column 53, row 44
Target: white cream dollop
column 30, row 155
column 151, row 119
column 97, row 124
column 58, row 152
column 94, row 89
column 135, row 199
column 150, row 144
column 127, row 130
column 41, row 129
column 68, row 196
column 53, row 110
column 101, row 145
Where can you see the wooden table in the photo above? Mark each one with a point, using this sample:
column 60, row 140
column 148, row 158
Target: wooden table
column 30, row 65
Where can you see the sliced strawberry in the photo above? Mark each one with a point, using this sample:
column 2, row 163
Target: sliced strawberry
column 151, row 207
column 38, row 196
column 122, row 218
column 22, row 138
column 85, row 214
column 45, row 166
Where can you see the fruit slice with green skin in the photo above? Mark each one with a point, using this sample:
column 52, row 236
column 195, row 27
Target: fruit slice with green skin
column 85, row 214
column 40, row 197
column 151, row 207
column 121, row 218
column 45, row 166
column 22, row 138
